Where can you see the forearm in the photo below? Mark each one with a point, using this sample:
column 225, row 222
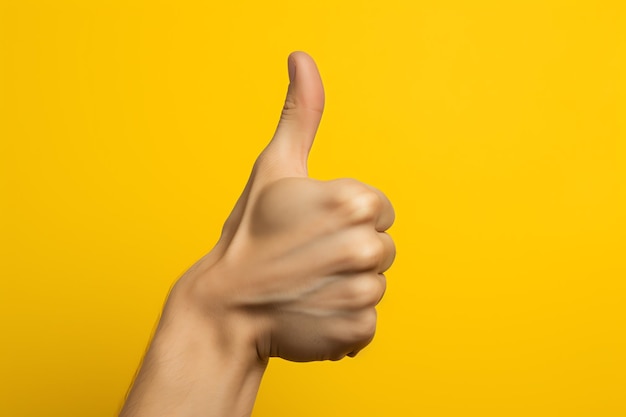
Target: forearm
column 196, row 367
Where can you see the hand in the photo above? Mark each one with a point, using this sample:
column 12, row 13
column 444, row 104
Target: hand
column 300, row 262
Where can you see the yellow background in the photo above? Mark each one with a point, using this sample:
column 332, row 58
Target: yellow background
column 497, row 129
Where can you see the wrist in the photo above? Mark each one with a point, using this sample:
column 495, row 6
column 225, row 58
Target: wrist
column 207, row 364
column 190, row 312
column 205, row 295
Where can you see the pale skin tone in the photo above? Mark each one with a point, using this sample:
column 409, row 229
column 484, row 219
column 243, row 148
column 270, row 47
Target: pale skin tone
column 297, row 274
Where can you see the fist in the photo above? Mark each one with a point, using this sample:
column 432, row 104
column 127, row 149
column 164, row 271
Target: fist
column 299, row 261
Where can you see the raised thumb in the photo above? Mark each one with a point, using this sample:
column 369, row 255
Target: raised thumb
column 300, row 117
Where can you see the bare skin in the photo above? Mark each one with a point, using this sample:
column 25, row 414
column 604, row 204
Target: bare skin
column 296, row 274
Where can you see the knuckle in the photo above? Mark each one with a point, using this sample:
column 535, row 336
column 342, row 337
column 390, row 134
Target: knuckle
column 364, row 327
column 390, row 252
column 358, row 201
column 367, row 253
column 365, row 206
column 368, row 290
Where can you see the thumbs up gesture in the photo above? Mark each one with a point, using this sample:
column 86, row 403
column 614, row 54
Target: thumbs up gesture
column 299, row 265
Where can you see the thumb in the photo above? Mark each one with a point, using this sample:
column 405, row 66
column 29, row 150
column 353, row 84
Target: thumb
column 300, row 118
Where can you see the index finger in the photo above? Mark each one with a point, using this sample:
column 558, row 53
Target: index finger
column 387, row 214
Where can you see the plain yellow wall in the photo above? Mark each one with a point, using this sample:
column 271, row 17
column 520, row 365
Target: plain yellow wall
column 498, row 129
